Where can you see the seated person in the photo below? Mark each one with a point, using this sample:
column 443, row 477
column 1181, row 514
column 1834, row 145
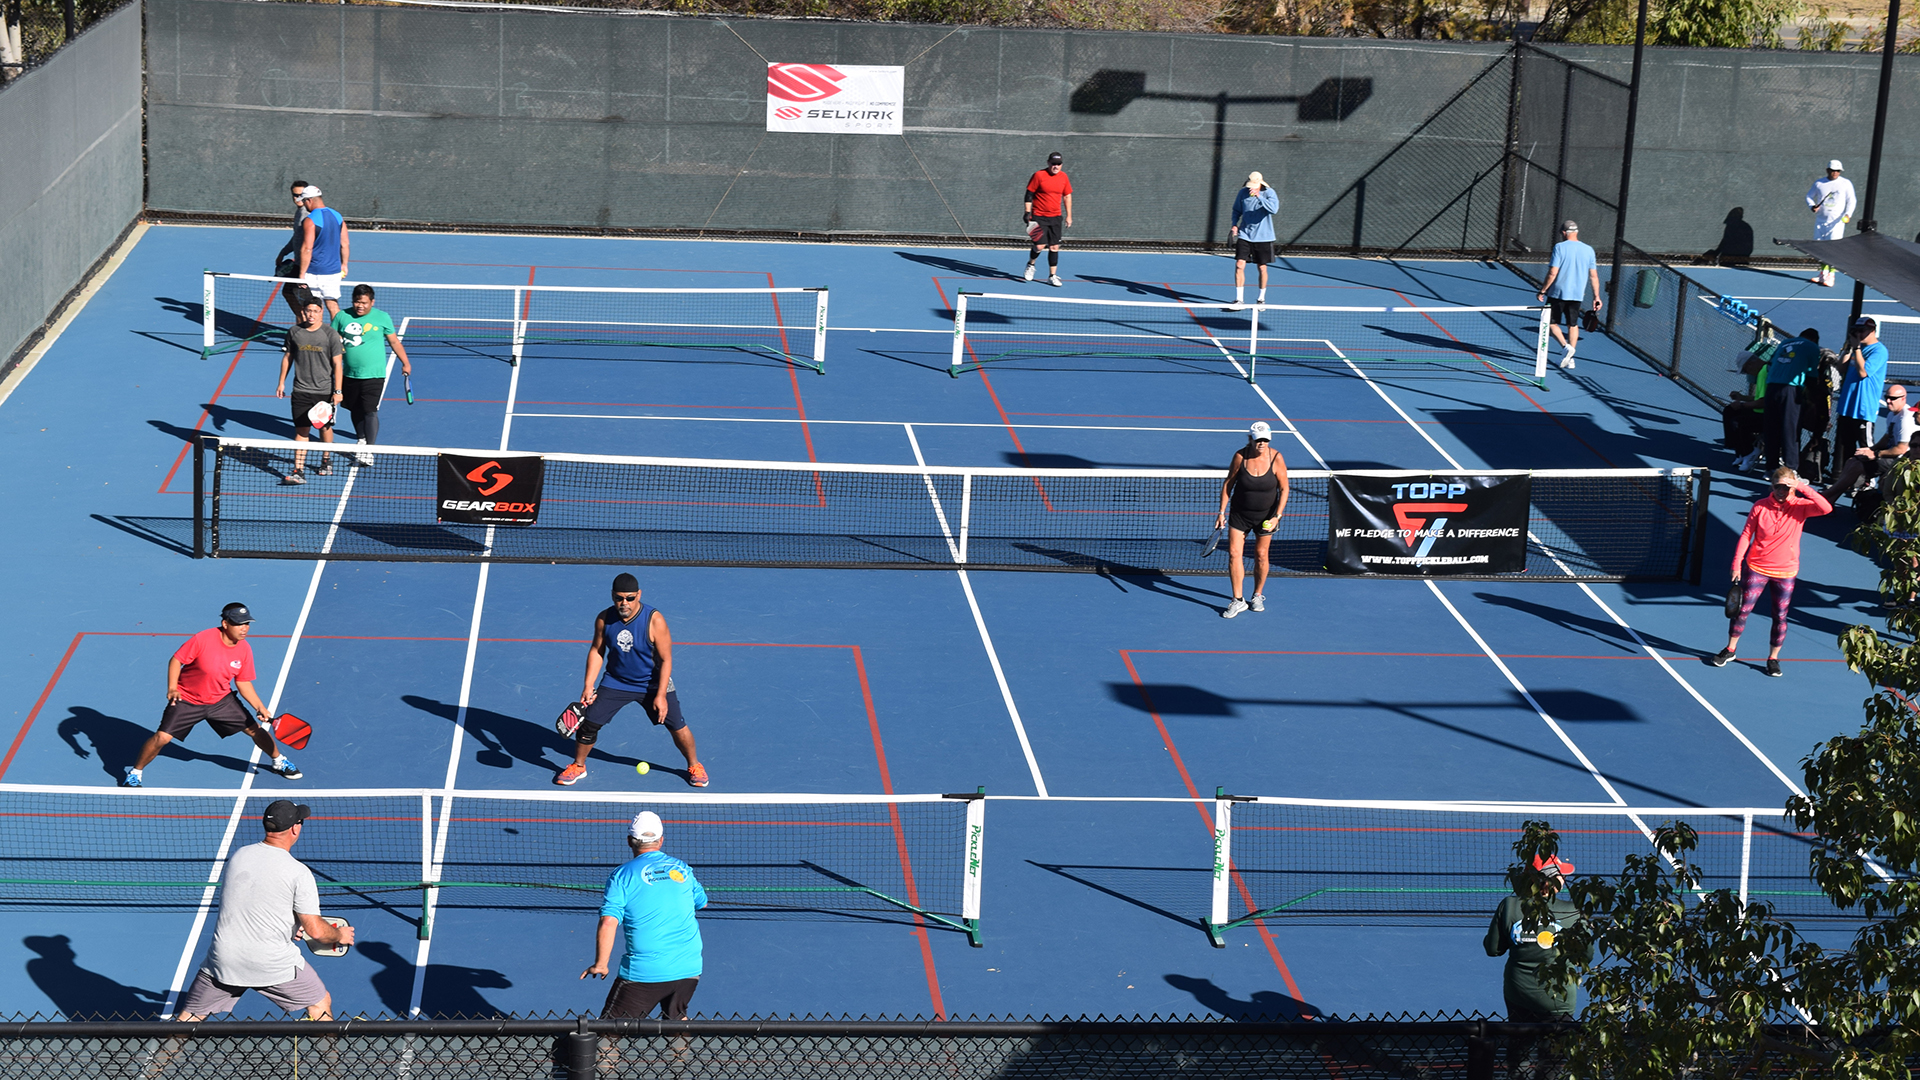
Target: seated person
column 1872, row 463
column 1742, row 418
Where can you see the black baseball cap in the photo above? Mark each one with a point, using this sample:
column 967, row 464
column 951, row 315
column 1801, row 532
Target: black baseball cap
column 236, row 613
column 1865, row 325
column 284, row 814
column 1055, row 158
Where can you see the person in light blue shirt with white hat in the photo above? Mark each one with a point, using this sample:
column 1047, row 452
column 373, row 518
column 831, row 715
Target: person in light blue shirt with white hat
column 1253, row 211
column 653, row 895
column 1574, row 267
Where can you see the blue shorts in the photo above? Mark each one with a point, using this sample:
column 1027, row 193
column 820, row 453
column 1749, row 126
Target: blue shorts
column 609, row 701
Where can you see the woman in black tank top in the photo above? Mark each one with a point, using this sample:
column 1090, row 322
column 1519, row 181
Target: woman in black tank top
column 1251, row 499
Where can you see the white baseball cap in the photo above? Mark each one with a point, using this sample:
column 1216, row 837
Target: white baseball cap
column 1259, row 431
column 646, row 827
column 1255, row 178
column 309, row 192
column 1835, row 165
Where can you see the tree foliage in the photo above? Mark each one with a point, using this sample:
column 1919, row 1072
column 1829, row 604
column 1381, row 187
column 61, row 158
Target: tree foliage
column 1732, row 24
column 1682, row 981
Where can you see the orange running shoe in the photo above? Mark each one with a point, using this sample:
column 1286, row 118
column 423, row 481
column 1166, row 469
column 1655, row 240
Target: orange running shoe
column 696, row 774
column 570, row 775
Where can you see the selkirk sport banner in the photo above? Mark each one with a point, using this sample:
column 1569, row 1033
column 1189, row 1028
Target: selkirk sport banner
column 836, row 99
column 1428, row 525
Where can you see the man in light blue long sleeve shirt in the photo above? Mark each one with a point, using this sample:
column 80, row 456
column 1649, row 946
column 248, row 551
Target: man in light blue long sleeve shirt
column 1253, row 211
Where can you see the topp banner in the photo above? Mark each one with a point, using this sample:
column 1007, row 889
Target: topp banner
column 490, row 490
column 837, row 99
column 1428, row 525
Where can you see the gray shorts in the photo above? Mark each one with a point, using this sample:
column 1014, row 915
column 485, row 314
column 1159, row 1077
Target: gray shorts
column 208, row 996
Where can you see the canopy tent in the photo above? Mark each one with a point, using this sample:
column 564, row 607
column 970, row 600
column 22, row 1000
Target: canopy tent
column 1888, row 265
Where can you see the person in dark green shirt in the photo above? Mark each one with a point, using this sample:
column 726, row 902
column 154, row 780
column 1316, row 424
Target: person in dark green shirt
column 1530, row 950
column 366, row 333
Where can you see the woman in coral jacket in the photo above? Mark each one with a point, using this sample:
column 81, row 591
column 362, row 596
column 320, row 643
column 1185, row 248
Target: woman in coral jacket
column 1769, row 554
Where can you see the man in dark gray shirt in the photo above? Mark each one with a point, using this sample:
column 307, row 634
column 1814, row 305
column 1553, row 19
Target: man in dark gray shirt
column 313, row 354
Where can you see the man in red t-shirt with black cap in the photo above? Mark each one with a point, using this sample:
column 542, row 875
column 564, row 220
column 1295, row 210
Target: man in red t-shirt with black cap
column 206, row 679
column 1049, row 202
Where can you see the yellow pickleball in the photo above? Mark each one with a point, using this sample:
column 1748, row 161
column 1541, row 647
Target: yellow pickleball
column 642, row 768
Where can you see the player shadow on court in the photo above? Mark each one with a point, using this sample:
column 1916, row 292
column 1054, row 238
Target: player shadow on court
column 958, row 266
column 1141, row 288
column 1260, row 1005
column 227, row 325
column 1177, row 699
column 117, row 742
column 80, row 994
column 506, row 739
column 449, row 991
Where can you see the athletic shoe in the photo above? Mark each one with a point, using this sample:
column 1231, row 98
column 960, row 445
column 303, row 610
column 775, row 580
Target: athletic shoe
column 697, row 774
column 365, row 460
column 1029, row 276
column 1234, row 608
column 325, row 469
column 1720, row 658
column 570, row 775
column 1773, row 668
column 1259, row 602
column 130, row 778
column 1235, row 306
column 284, row 768
column 1566, row 362
column 1055, row 281
column 294, row 477
column 1744, row 461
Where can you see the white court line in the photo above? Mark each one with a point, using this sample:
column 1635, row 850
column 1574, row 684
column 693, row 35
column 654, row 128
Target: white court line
column 876, row 423
column 425, row 946
column 980, row 624
column 253, row 760
column 1610, row 613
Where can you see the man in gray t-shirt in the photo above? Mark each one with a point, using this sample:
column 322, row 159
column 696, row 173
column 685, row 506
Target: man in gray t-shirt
column 313, row 354
column 268, row 895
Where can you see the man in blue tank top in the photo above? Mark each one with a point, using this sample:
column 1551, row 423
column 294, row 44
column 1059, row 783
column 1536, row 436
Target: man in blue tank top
column 323, row 249
column 633, row 651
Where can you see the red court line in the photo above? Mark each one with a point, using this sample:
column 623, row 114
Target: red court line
column 27, row 724
column 198, row 424
column 1012, row 433
column 806, row 433
column 1206, row 820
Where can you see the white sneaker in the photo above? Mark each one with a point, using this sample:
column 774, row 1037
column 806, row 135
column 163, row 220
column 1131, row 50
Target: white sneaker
column 1259, row 602
column 1234, row 608
column 1566, row 362
column 364, row 459
column 1235, row 306
column 1055, row 281
column 1744, row 462
column 1029, row 272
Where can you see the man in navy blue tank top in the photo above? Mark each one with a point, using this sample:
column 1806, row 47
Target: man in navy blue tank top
column 630, row 659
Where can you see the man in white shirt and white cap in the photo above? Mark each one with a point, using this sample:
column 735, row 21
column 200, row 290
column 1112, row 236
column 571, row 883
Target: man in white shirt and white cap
column 1832, row 202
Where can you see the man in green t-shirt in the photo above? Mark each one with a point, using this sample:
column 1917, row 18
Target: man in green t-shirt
column 365, row 333
column 1530, row 950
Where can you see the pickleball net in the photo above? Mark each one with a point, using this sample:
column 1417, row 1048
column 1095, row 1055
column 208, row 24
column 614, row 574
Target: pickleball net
column 904, row 858
column 993, row 329
column 1281, row 857
column 1588, row 525
column 617, row 323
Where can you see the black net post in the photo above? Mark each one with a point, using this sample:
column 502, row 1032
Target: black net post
column 579, row 1049
column 1703, row 487
column 199, row 498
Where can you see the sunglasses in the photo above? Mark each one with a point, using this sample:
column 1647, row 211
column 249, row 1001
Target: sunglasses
column 627, row 599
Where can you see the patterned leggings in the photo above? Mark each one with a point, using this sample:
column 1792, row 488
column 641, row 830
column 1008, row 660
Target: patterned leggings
column 1752, row 584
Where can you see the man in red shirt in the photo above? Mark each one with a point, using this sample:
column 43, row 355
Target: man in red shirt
column 1049, row 202
column 206, row 679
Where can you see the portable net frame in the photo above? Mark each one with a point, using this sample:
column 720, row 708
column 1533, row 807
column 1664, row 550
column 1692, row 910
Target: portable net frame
column 787, row 323
column 1283, row 857
column 1603, row 525
column 913, row 858
column 998, row 328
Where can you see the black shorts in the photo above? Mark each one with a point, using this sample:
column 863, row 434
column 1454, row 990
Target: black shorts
column 1249, row 523
column 303, row 402
column 637, row 999
column 1052, row 228
column 1258, row 252
column 1566, row 312
column 361, row 397
column 609, row 701
column 226, row 717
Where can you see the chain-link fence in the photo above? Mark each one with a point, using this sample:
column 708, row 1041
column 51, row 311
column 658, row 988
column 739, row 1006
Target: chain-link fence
column 582, row 1049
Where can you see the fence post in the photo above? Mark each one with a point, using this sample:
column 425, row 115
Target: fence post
column 1681, row 293
column 1626, row 157
column 1503, row 231
column 582, row 1048
column 67, row 17
column 199, row 497
column 1479, row 1053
